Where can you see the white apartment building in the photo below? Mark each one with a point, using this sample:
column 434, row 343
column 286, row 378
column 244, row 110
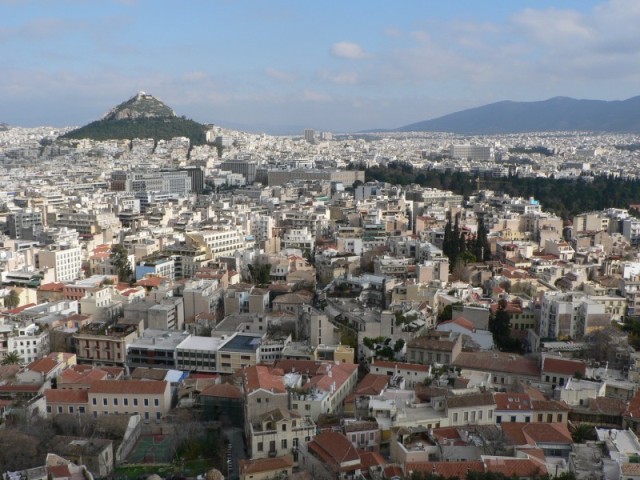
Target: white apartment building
column 66, row 262
column 299, row 238
column 571, row 314
column 31, row 342
column 220, row 242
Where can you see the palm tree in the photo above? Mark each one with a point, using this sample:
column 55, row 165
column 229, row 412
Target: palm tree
column 583, row 432
column 12, row 358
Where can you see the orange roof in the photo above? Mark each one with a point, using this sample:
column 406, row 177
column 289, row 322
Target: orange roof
column 400, row 365
column 130, row 387
column 512, row 401
column 536, row 433
column 66, row 396
column 262, row 465
column 372, row 384
column 223, row 390
column 42, row 365
column 51, row 287
column 516, row 467
column 446, row 469
column 498, row 362
column 259, row 377
column 463, row 322
column 334, row 449
column 371, row 459
column 563, row 366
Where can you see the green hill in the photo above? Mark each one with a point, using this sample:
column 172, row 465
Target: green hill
column 142, row 116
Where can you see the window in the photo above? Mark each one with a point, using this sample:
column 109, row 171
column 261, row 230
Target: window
column 94, row 401
column 499, row 419
column 295, row 442
column 70, row 408
column 135, row 402
column 513, row 419
column 466, row 416
column 104, row 402
column 115, row 401
column 59, row 408
column 146, row 402
column 455, row 417
column 126, row 402
column 284, row 427
column 158, row 415
column 283, row 443
column 260, row 446
column 527, row 419
column 559, row 417
column 156, row 402
column 480, row 413
column 307, row 407
column 81, row 410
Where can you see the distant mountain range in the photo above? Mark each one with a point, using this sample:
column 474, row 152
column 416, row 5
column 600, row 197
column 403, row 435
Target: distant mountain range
column 142, row 116
column 555, row 114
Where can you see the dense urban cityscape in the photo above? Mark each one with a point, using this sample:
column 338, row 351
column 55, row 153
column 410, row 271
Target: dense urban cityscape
column 253, row 306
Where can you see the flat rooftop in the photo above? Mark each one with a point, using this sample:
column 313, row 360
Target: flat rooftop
column 242, row 343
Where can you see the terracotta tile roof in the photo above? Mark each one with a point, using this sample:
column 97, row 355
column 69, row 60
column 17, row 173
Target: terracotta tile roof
column 20, row 388
column 470, row 400
column 632, row 469
column 391, row 471
column 401, row 366
column 461, row 321
column 516, row 467
column 334, row 449
column 563, row 366
column 633, row 410
column 222, row 390
column 42, row 365
column 263, row 465
column 498, row 362
column 259, row 377
column 611, row 406
column 446, row 469
column 550, row 405
column 372, row 384
column 512, row 401
column 362, row 426
column 536, row 433
column 371, row 459
column 131, row 387
column 51, row 287
column 446, row 433
column 66, row 396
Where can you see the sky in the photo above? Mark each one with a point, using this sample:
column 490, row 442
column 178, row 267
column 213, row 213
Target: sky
column 282, row 66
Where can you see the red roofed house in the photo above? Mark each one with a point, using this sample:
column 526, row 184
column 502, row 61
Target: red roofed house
column 39, row 371
column 264, row 468
column 264, row 391
column 331, row 453
column 557, row 370
column 324, row 387
column 148, row 398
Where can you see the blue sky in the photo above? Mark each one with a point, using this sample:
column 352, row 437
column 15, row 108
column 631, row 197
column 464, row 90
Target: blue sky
column 330, row 65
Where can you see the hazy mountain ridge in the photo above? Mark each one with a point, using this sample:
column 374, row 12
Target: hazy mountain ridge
column 554, row 114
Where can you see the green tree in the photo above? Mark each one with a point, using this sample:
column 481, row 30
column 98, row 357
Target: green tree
column 12, row 300
column 119, row 258
column 12, row 358
column 445, row 314
column 399, row 345
column 260, row 274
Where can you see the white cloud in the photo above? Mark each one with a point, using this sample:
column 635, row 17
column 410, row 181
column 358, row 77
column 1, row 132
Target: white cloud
column 349, row 50
column 315, row 96
column 280, row 75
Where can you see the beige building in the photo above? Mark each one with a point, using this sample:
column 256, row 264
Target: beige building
column 106, row 345
column 148, row 398
column 279, row 432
